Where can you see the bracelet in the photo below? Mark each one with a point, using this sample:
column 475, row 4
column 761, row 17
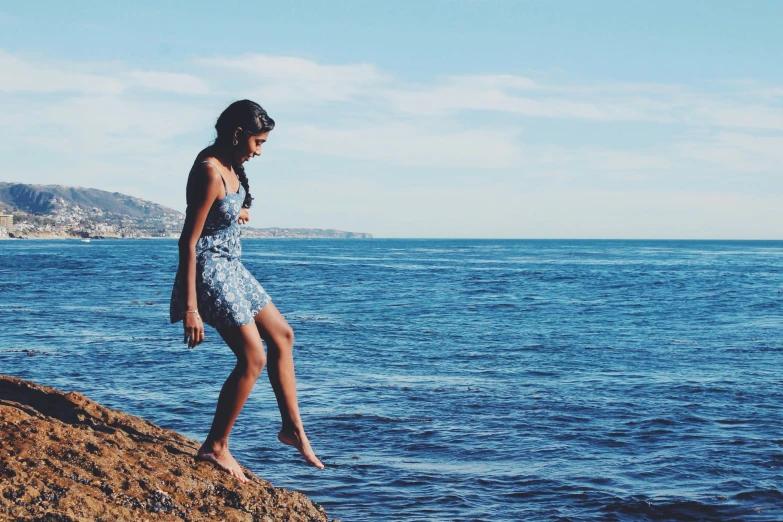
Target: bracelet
column 191, row 312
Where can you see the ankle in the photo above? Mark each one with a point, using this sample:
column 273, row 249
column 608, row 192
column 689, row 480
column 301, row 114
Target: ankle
column 290, row 427
column 215, row 444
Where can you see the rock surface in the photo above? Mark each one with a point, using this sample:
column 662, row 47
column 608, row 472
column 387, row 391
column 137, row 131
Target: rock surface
column 65, row 458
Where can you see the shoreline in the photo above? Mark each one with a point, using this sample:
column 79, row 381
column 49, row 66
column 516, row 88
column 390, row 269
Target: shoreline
column 72, row 238
column 26, row 238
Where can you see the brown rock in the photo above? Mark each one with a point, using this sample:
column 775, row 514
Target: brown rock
column 65, row 458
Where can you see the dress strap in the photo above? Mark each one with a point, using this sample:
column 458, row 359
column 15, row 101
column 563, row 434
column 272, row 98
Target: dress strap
column 225, row 187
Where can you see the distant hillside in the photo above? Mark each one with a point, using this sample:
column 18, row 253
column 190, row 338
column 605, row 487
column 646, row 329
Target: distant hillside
column 62, row 211
column 303, row 233
column 47, row 199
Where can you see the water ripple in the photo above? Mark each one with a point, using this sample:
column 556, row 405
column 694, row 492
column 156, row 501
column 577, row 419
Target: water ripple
column 452, row 380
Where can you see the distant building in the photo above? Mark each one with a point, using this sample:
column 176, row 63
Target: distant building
column 7, row 221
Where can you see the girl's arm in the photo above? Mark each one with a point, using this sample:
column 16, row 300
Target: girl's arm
column 204, row 187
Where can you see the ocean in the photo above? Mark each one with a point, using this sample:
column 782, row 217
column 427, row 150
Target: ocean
column 450, row 379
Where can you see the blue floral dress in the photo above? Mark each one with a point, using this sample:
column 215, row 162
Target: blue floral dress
column 227, row 294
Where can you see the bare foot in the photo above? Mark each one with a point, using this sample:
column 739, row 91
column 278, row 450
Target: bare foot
column 298, row 439
column 222, row 458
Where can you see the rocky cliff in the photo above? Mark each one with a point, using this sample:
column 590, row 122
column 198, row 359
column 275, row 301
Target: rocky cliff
column 48, row 199
column 62, row 211
column 65, row 458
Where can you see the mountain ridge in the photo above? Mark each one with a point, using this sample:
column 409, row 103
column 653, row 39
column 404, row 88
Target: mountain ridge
column 70, row 211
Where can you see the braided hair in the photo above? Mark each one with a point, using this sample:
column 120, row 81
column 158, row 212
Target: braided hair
column 252, row 119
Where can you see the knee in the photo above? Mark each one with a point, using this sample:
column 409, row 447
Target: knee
column 254, row 363
column 285, row 338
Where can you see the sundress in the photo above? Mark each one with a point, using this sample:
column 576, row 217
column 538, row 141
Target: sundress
column 226, row 293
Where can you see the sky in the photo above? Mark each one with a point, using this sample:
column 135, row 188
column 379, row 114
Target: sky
column 429, row 118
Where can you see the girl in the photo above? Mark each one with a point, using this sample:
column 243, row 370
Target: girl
column 213, row 287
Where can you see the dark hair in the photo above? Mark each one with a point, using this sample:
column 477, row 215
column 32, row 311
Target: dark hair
column 252, row 119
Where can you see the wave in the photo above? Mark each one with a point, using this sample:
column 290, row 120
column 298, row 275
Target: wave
column 751, row 505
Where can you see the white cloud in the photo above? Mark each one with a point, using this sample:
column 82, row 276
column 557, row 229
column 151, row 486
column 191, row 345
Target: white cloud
column 118, row 127
column 601, row 163
column 177, row 83
column 494, row 93
column 406, row 144
column 771, row 93
column 729, row 114
column 736, row 151
column 24, row 75
column 286, row 79
column 109, row 125
column 669, row 104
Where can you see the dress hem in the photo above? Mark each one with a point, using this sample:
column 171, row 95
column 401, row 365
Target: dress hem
column 253, row 314
column 252, row 317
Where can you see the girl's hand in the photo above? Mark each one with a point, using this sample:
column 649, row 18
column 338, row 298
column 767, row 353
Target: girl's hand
column 194, row 329
column 244, row 216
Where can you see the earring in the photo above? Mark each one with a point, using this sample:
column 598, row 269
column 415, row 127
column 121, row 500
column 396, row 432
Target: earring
column 236, row 142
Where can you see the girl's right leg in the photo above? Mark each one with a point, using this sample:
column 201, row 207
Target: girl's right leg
column 246, row 344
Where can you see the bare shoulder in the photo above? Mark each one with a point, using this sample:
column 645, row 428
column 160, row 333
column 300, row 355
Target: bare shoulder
column 204, row 182
column 204, row 172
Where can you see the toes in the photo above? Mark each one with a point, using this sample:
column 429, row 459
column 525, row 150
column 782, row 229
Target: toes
column 237, row 472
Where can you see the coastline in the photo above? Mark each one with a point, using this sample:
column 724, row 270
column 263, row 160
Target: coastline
column 74, row 238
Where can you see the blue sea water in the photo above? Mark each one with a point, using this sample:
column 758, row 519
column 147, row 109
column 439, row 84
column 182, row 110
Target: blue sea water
column 451, row 379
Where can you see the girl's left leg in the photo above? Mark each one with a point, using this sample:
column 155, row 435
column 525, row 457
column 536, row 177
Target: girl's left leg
column 279, row 338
